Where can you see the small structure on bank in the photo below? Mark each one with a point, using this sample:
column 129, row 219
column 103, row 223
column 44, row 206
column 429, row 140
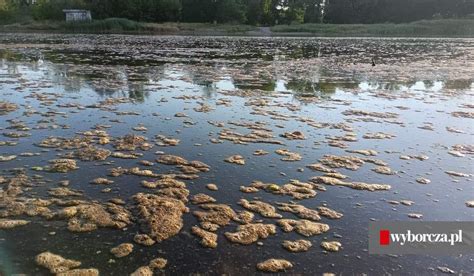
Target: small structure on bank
column 77, row 15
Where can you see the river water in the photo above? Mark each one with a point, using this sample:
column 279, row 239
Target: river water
column 418, row 96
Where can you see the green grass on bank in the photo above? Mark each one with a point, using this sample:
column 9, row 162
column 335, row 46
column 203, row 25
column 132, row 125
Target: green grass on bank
column 424, row 28
column 109, row 25
column 122, row 25
column 113, row 25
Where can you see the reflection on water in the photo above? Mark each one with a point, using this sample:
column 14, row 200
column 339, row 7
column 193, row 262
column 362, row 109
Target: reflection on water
column 135, row 82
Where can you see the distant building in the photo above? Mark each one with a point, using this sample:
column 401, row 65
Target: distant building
column 24, row 2
column 77, row 15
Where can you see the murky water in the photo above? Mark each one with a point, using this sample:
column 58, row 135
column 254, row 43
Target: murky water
column 65, row 85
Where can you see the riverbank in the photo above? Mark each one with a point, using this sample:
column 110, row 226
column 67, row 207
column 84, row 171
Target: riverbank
column 424, row 28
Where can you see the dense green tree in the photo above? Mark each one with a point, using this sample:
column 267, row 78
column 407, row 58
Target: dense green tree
column 256, row 12
column 198, row 10
column 375, row 11
column 53, row 9
column 230, row 11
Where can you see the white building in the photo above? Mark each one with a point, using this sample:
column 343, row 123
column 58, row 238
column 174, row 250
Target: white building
column 77, row 15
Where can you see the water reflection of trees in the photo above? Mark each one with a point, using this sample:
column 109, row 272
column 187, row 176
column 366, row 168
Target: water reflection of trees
column 12, row 69
column 138, row 81
column 391, row 86
column 321, row 88
column 122, row 81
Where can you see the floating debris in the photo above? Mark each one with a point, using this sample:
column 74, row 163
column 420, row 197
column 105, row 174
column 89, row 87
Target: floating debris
column 9, row 224
column 423, row 180
column 260, row 152
column 63, row 143
column 122, row 250
column 458, row 174
column 163, row 141
column 143, row 271
column 158, row 263
column 144, row 239
column 378, row 135
column 348, row 162
column 321, row 168
column 274, row 265
column 16, row 134
column 202, row 198
column 300, row 210
column 62, row 165
column 164, row 182
column 236, row 159
column 407, row 202
column 55, row 263
column 463, row 114
column 208, row 239
column 385, row 115
column 297, row 246
column 102, row 181
column 91, row 153
column 289, row 156
column 304, row 227
column 7, row 107
column 88, row 217
column 336, row 175
column 384, row 170
column 329, row 213
column 160, row 217
column 248, row 189
column 180, row 115
column 273, row 187
column 256, row 136
column 171, row 160
column 132, row 142
column 63, row 191
column 5, row 158
column 464, row 149
column 140, row 128
column 264, row 209
column 295, row 135
column 415, row 215
column 332, row 246
column 364, row 152
column 446, row 270
column 250, row 233
column 244, row 217
column 456, row 153
column 295, row 188
column 212, row 187
column 80, row 272
column 354, row 185
column 454, row 130
column 216, row 215
column 123, row 155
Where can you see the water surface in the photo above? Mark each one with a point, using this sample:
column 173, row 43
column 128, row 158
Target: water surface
column 283, row 84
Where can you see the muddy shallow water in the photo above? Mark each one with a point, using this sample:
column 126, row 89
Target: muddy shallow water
column 221, row 97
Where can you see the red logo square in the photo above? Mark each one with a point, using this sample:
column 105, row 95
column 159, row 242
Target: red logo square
column 384, row 237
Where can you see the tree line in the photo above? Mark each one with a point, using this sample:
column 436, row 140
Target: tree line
column 254, row 12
